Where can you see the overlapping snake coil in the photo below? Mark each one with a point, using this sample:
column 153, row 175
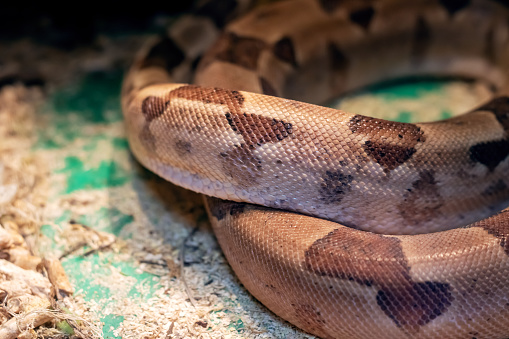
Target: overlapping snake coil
column 344, row 225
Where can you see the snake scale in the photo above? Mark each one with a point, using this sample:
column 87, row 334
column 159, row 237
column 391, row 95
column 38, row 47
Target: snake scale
column 344, row 225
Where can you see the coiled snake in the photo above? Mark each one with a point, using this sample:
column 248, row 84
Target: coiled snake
column 344, row 225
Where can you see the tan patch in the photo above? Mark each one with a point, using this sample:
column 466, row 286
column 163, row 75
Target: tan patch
column 127, row 89
column 389, row 143
column 422, row 201
column 376, row 260
column 498, row 226
column 500, row 108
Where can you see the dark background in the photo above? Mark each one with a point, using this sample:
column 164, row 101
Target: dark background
column 68, row 24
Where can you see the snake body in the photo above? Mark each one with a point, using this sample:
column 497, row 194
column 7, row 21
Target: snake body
column 344, row 225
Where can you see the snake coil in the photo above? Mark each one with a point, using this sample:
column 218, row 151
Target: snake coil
column 344, row 225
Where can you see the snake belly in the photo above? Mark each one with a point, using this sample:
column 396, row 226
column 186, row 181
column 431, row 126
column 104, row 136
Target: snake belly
column 344, row 225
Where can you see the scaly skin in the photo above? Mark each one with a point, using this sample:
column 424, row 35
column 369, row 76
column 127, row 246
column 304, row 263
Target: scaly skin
column 318, row 170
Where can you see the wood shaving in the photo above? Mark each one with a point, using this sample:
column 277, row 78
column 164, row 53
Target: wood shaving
column 28, row 296
column 56, row 275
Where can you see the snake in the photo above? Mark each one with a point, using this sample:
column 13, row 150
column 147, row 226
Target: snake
column 344, row 225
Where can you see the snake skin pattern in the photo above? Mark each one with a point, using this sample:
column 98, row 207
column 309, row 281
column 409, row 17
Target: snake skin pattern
column 344, row 225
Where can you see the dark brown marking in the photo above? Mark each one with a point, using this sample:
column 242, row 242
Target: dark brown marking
column 147, row 138
column 500, row 107
column 386, row 155
column 334, row 186
column 490, row 153
column 390, row 143
column 363, row 17
column 489, row 47
column 339, row 61
column 421, row 201
column 237, row 209
column 241, row 165
column 267, row 88
column 218, row 208
column 310, row 318
column 415, row 306
column 497, row 188
column 421, row 40
column 284, row 50
column 254, row 129
column 221, row 208
column 453, row 6
column 237, row 50
column 257, row 129
column 233, row 99
column 195, row 63
column 366, row 258
column 152, row 107
column 183, row 147
column 378, row 261
column 498, row 226
column 165, row 54
column 339, row 64
column 426, row 179
column 330, row 5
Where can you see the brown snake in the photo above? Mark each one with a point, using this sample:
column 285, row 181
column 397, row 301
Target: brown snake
column 344, row 225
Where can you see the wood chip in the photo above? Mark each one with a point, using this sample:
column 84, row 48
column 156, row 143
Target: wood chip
column 58, row 278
